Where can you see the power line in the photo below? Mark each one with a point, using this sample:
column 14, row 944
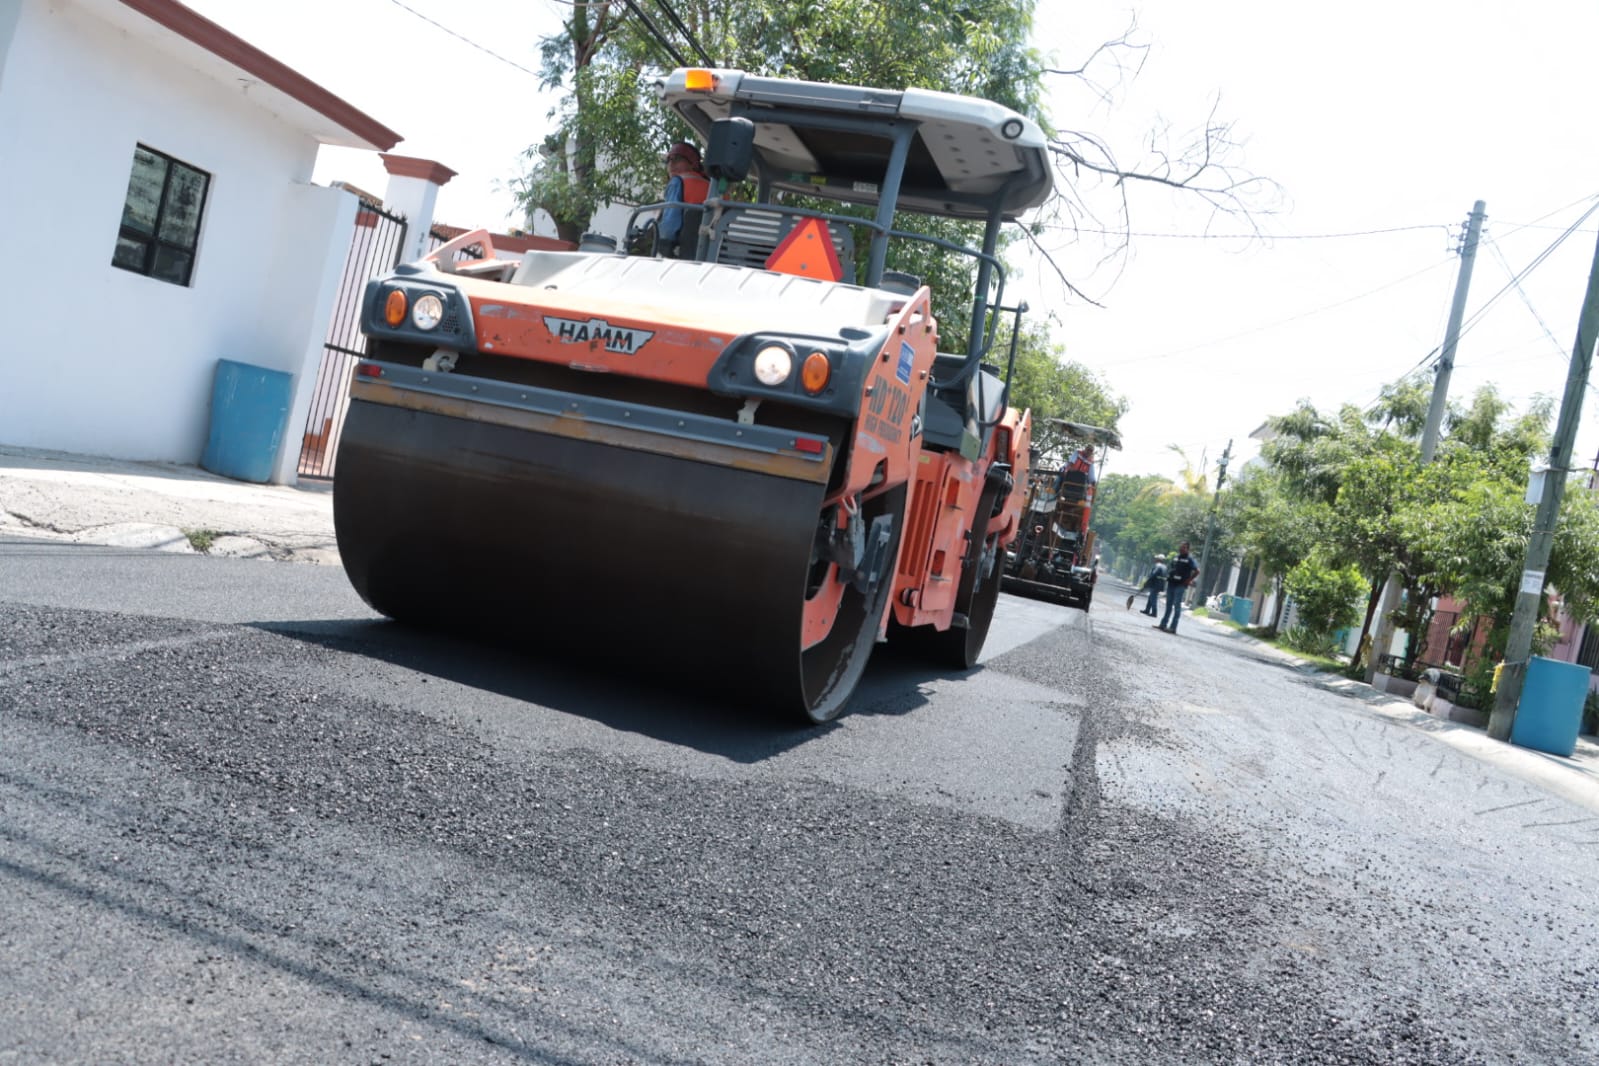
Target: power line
column 687, row 36
column 1283, row 321
column 1065, row 227
column 1534, row 224
column 465, row 40
column 1515, row 280
column 1499, row 254
column 655, row 32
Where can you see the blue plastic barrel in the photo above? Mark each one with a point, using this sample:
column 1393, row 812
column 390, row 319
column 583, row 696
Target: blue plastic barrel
column 249, row 409
column 1550, row 712
column 1240, row 610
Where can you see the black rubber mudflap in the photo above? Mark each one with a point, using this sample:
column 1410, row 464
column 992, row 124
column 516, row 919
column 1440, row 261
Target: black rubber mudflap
column 650, row 562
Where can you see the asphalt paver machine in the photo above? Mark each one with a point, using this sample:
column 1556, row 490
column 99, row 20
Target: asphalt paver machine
column 742, row 468
column 1054, row 556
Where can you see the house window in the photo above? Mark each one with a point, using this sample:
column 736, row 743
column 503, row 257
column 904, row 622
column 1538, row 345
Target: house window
column 161, row 218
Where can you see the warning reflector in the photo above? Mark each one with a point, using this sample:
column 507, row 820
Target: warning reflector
column 808, row 252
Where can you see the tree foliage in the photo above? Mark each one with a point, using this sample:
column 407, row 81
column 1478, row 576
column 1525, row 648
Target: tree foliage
column 1275, row 530
column 1325, row 594
column 1457, row 526
column 1044, row 381
column 608, row 131
column 1131, row 519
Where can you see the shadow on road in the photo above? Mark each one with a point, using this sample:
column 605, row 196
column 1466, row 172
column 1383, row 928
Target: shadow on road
column 691, row 710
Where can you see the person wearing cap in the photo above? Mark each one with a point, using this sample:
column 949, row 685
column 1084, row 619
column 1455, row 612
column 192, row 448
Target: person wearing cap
column 686, row 184
column 1156, row 584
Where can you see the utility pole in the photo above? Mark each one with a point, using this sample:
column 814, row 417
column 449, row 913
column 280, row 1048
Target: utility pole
column 1210, row 527
column 1435, row 419
column 1518, row 646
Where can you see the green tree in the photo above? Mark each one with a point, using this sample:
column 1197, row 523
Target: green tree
column 1131, row 518
column 1325, row 598
column 606, row 60
column 1053, row 387
column 1458, row 525
column 1474, row 530
column 1138, row 516
column 1274, row 529
column 1353, row 465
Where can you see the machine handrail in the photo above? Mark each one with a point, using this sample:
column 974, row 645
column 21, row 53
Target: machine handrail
column 976, row 349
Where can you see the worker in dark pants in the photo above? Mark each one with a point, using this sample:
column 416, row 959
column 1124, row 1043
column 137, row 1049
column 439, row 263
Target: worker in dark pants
column 1179, row 576
column 1156, row 584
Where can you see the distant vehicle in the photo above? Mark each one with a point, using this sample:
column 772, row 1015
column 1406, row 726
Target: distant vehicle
column 1053, row 558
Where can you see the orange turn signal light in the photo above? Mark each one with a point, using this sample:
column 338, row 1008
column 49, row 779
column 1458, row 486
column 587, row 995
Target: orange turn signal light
column 815, row 372
column 699, row 80
column 394, row 307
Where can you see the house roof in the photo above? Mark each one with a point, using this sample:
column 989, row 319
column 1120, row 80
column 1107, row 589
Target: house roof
column 200, row 43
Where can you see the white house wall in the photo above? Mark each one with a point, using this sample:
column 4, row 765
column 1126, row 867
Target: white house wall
column 104, row 361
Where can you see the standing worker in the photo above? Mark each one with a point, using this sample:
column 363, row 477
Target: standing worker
column 1179, row 576
column 1156, row 584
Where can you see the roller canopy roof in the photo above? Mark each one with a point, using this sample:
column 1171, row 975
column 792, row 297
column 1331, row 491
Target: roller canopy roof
column 815, row 138
column 1107, row 438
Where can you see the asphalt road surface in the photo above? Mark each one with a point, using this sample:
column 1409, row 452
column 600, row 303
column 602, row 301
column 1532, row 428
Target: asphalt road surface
column 246, row 821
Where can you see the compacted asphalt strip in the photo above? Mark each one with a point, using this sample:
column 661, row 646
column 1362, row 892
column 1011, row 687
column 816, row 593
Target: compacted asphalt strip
column 246, row 820
column 328, row 838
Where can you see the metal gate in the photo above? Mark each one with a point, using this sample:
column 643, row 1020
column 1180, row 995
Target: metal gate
column 374, row 249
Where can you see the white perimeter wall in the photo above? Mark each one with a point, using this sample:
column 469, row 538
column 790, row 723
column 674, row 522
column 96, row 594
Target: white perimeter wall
column 102, row 361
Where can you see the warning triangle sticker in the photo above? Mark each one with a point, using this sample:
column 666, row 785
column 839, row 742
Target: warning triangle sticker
column 808, row 252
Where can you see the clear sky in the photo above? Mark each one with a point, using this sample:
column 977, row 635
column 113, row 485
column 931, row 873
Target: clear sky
column 1380, row 122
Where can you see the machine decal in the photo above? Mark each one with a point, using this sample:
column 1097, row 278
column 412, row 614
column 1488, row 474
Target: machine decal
column 622, row 340
column 907, row 359
column 885, row 412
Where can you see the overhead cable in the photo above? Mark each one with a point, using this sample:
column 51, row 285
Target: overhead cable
column 655, row 32
column 684, row 30
column 464, row 40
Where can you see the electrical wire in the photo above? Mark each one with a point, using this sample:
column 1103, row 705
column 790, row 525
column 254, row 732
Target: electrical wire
column 464, row 40
column 655, row 32
column 1515, row 280
column 1534, row 224
column 687, row 36
column 1281, row 322
column 1068, row 228
column 1499, row 254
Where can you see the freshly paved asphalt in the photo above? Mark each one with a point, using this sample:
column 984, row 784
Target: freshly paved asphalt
column 245, row 821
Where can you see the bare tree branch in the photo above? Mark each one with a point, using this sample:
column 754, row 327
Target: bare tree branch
column 1032, row 238
column 1096, row 185
column 1116, row 53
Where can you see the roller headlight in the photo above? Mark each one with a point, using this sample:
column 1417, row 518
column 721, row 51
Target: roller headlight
column 773, row 365
column 427, row 312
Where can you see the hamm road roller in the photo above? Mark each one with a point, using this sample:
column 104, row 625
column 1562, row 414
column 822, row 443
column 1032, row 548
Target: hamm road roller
column 742, row 461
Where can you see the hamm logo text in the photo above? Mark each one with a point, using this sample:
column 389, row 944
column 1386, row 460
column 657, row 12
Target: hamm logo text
column 619, row 339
